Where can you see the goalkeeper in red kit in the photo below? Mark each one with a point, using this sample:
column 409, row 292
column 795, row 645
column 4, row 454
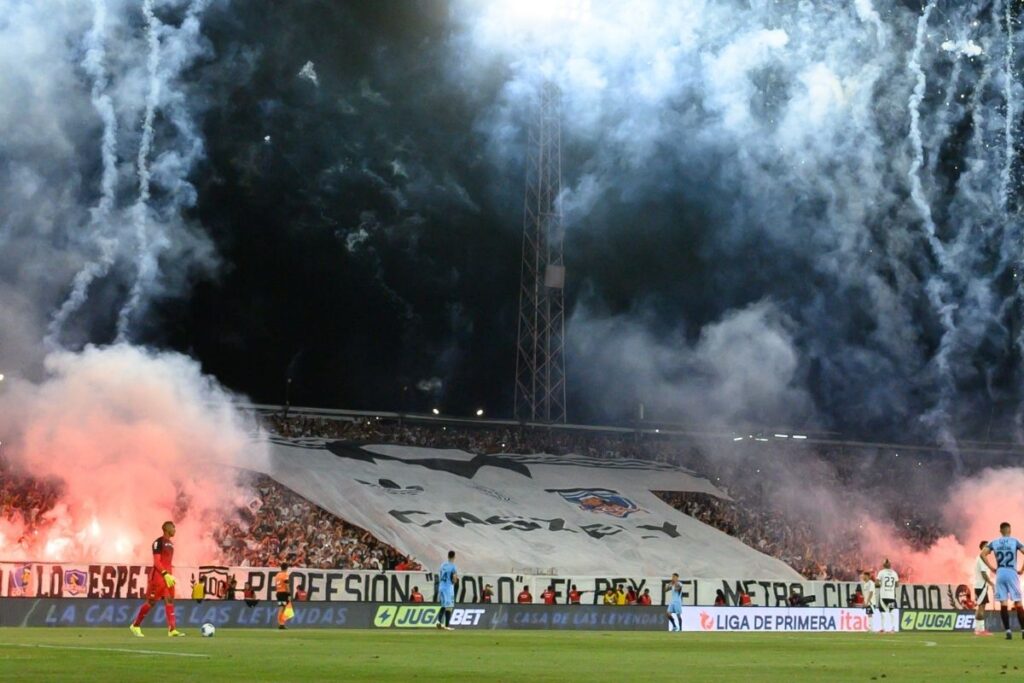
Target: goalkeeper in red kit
column 161, row 583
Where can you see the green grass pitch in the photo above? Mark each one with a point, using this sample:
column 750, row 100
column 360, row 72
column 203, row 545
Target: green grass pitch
column 58, row 654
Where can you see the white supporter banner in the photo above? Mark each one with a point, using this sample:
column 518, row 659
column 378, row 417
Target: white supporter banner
column 514, row 513
column 73, row 580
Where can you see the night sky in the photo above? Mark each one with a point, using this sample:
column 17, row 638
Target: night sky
column 391, row 143
column 385, row 144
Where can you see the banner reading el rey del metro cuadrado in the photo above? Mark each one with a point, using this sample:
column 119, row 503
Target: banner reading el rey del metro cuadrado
column 112, row 581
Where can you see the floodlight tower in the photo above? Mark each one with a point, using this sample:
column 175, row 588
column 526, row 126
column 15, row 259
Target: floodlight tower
column 540, row 347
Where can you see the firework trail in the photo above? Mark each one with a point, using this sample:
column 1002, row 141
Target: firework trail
column 146, row 259
column 95, row 65
column 1011, row 110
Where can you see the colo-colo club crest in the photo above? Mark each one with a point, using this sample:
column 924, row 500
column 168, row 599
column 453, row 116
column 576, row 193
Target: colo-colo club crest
column 603, row 501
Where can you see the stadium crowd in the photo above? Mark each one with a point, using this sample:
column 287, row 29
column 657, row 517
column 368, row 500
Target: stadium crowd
column 25, row 500
column 794, row 542
column 278, row 525
column 611, row 445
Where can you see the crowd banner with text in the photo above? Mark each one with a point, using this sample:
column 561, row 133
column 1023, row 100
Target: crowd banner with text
column 39, row 579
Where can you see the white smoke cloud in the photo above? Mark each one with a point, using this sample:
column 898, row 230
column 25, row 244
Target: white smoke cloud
column 431, row 385
column 170, row 51
column 867, row 13
column 41, row 115
column 95, row 64
column 308, row 71
column 100, row 138
column 804, row 115
column 83, row 125
column 742, row 371
column 135, row 437
column 967, row 48
column 860, row 141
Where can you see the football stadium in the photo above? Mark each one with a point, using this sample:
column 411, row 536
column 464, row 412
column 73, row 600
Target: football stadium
column 515, row 340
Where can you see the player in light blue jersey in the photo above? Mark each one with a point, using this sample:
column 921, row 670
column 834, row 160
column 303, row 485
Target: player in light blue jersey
column 675, row 603
column 447, row 577
column 1005, row 549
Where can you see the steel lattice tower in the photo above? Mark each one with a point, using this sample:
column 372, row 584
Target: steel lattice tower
column 540, row 358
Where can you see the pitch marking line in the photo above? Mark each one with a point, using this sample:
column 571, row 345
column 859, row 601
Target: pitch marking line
column 107, row 649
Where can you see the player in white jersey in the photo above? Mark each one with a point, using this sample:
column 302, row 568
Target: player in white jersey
column 982, row 585
column 887, row 581
column 867, row 589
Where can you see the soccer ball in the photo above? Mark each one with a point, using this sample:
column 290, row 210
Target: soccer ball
column 207, row 630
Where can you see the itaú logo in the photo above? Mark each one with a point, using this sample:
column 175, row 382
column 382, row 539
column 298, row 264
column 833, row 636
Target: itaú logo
column 707, row 622
column 854, row 621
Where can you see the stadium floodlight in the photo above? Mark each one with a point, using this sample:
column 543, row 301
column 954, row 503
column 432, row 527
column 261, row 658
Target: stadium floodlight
column 479, row 412
column 737, row 438
column 760, row 438
column 435, row 411
column 799, row 436
column 782, row 436
column 1, row 377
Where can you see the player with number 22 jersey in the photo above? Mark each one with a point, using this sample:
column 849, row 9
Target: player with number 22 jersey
column 1005, row 549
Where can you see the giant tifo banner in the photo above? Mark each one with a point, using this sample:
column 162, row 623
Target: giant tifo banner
column 118, row 581
column 518, row 513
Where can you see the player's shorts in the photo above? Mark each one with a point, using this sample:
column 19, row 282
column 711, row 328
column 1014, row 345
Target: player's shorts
column 446, row 596
column 1007, row 585
column 981, row 596
column 886, row 604
column 675, row 609
column 157, row 588
column 283, row 599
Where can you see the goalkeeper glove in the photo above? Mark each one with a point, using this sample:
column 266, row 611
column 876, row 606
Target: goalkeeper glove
column 169, row 580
